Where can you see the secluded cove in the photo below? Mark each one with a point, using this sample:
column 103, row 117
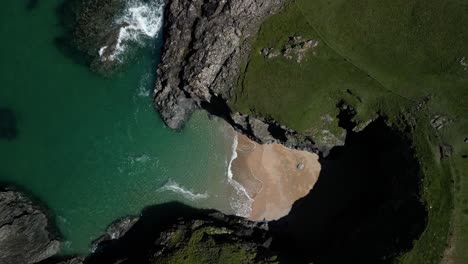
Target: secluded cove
column 91, row 148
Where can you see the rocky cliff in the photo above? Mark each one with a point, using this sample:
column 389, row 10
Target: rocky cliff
column 205, row 44
column 169, row 233
column 24, row 230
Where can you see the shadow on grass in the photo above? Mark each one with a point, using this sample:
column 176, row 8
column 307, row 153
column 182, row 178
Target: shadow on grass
column 365, row 207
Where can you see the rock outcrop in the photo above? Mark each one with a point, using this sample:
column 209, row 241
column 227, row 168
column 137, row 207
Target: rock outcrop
column 24, row 230
column 176, row 233
column 206, row 41
column 115, row 231
column 206, row 241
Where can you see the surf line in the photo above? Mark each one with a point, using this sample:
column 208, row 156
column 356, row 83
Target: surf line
column 242, row 208
column 173, row 186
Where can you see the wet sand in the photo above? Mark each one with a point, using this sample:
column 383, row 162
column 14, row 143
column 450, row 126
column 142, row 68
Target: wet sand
column 274, row 176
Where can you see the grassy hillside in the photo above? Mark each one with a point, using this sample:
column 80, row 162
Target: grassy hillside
column 404, row 59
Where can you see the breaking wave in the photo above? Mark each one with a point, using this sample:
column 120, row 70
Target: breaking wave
column 141, row 20
column 173, row 186
column 241, row 203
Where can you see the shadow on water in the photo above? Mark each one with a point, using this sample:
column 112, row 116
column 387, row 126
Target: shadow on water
column 365, row 207
column 8, row 124
column 67, row 14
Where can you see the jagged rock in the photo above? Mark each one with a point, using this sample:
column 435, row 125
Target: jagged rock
column 205, row 42
column 208, row 241
column 116, row 230
column 446, row 151
column 95, row 29
column 205, row 45
column 110, row 31
column 270, row 53
column 439, row 122
column 362, row 125
column 260, row 130
column 24, row 230
column 296, row 48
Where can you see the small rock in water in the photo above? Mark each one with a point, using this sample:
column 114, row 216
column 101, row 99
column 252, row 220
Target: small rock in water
column 300, row 166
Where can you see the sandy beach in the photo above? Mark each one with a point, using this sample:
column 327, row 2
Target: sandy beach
column 274, row 176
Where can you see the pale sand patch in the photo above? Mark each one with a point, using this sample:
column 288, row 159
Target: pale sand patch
column 271, row 176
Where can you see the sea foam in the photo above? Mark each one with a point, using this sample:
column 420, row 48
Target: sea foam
column 142, row 20
column 187, row 194
column 241, row 203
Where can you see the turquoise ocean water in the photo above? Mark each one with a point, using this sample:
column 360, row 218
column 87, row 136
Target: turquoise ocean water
column 94, row 149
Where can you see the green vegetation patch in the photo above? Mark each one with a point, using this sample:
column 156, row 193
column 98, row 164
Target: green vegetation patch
column 206, row 244
column 406, row 60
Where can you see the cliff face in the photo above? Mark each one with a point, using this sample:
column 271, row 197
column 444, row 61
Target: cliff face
column 169, row 233
column 24, row 230
column 205, row 44
column 175, row 233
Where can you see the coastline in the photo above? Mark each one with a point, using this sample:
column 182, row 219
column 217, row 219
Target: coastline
column 272, row 177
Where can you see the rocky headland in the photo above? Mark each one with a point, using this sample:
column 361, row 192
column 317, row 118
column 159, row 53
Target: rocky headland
column 25, row 230
column 169, row 233
column 206, row 42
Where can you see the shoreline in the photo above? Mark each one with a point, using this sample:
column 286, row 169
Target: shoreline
column 272, row 177
column 240, row 208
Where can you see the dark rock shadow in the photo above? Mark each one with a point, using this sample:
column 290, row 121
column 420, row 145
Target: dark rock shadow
column 365, row 207
column 139, row 240
column 67, row 14
column 8, row 124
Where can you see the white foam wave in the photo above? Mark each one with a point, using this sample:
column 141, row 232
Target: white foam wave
column 173, row 186
column 140, row 21
column 241, row 203
column 145, row 83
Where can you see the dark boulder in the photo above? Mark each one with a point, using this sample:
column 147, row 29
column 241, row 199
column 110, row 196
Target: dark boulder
column 24, row 230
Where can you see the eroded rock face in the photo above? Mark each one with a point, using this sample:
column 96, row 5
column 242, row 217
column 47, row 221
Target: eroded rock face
column 213, row 241
column 115, row 230
column 24, row 231
column 176, row 233
column 205, row 43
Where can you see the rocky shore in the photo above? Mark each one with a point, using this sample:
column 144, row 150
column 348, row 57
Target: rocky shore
column 169, row 233
column 206, row 43
column 25, row 235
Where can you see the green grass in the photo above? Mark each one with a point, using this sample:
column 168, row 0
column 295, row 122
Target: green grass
column 209, row 244
column 382, row 57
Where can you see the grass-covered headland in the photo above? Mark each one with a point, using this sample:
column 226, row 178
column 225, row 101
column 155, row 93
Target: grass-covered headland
column 404, row 60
